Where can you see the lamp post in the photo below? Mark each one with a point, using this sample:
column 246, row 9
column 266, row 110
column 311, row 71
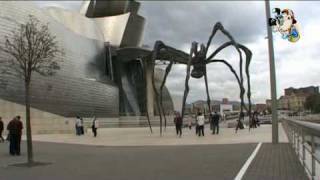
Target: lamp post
column 275, row 136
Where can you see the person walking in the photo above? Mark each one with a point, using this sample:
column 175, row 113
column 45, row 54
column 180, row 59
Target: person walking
column 197, row 125
column 1, row 130
column 215, row 123
column 15, row 127
column 190, row 122
column 81, row 126
column 178, row 122
column 95, row 126
column 200, row 121
column 211, row 120
column 77, row 125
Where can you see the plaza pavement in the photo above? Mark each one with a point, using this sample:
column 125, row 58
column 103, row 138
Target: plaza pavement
column 143, row 137
column 135, row 154
column 81, row 162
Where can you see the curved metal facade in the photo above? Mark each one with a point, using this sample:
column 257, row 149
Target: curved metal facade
column 79, row 88
column 82, row 86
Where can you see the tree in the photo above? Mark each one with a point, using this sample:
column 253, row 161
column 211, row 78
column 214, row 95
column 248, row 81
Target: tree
column 31, row 48
column 313, row 103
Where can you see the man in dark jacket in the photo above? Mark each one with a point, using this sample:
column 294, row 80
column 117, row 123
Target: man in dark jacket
column 1, row 130
column 15, row 127
column 215, row 123
column 178, row 123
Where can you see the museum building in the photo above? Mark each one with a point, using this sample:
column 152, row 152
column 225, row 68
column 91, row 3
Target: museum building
column 101, row 75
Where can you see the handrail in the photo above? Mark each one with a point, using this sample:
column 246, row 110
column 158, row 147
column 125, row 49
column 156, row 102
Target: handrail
column 297, row 131
column 312, row 128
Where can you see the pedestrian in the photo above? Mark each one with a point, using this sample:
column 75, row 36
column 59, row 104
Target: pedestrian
column 15, row 127
column 81, row 127
column 211, row 120
column 190, row 122
column 1, row 130
column 256, row 118
column 95, row 126
column 200, row 120
column 215, row 123
column 77, row 125
column 197, row 125
column 178, row 122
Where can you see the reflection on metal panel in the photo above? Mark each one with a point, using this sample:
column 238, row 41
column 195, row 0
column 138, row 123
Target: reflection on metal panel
column 113, row 28
column 72, row 90
column 76, row 22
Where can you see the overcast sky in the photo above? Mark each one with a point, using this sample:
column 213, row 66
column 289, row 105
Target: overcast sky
column 178, row 23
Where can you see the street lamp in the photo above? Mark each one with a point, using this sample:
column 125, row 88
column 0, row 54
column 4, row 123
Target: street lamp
column 275, row 136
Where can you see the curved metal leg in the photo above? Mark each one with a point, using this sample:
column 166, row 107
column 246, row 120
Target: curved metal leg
column 248, row 61
column 207, row 90
column 219, row 26
column 186, row 90
column 158, row 45
column 144, row 63
column 168, row 69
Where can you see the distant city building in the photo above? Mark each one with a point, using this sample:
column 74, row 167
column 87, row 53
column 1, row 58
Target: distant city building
column 216, row 106
column 225, row 101
column 261, row 107
column 294, row 99
column 301, row 91
column 225, row 108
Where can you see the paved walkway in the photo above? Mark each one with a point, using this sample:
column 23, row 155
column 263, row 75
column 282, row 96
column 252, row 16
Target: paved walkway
column 80, row 162
column 276, row 162
column 143, row 137
column 135, row 154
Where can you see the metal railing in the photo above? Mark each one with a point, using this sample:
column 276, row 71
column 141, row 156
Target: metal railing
column 305, row 139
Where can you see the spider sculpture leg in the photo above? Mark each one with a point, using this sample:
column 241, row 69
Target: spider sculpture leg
column 232, row 42
column 207, row 90
column 193, row 49
column 234, row 73
column 144, row 63
column 219, row 26
column 168, row 69
column 157, row 47
column 248, row 60
column 164, row 52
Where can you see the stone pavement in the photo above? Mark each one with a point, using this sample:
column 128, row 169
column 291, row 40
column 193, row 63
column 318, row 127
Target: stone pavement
column 81, row 162
column 276, row 162
column 143, row 137
column 135, row 154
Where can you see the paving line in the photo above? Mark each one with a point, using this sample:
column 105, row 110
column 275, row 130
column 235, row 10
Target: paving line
column 247, row 164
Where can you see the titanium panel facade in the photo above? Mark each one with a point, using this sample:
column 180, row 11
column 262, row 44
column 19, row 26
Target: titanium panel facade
column 83, row 85
column 79, row 88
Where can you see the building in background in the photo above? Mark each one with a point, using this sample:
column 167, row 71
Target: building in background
column 225, row 107
column 102, row 73
column 294, row 98
column 261, row 107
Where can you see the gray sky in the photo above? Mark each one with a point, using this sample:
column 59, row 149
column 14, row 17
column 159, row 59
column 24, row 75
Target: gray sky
column 178, row 23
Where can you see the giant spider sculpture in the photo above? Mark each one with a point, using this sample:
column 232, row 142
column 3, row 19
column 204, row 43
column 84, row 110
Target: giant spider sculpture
column 198, row 59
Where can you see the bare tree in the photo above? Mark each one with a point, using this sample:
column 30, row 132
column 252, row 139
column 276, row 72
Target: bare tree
column 31, row 48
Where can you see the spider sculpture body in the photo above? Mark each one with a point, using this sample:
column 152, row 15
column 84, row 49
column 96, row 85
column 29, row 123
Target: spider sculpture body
column 198, row 58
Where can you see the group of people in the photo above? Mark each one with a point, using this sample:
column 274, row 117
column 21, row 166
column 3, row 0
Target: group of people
column 14, row 128
column 79, row 125
column 214, row 119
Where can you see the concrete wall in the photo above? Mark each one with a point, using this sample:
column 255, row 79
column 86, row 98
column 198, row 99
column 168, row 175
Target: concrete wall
column 41, row 122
